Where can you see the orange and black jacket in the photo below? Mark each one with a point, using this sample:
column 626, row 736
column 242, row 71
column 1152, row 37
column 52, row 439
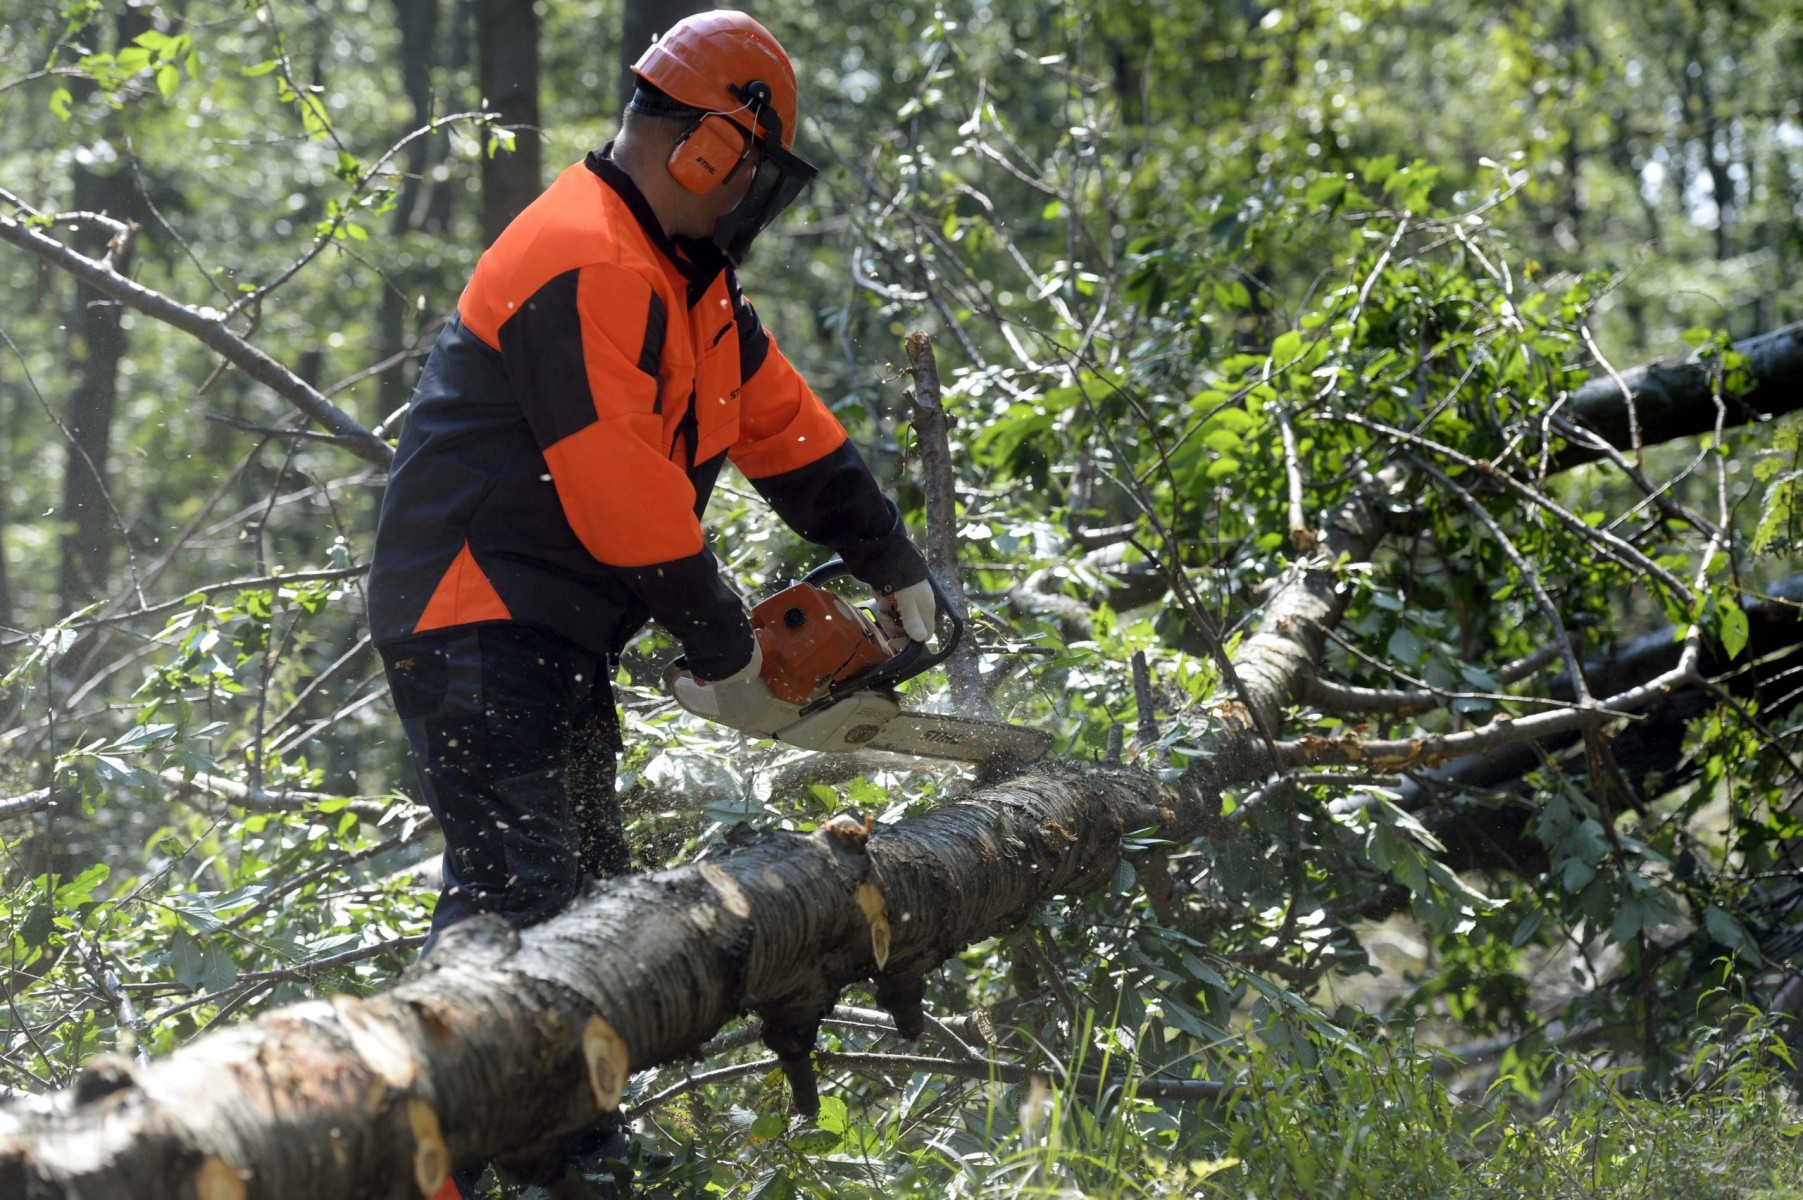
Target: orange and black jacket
column 568, row 428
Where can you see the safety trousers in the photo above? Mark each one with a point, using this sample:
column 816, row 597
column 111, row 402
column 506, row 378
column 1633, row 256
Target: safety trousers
column 514, row 735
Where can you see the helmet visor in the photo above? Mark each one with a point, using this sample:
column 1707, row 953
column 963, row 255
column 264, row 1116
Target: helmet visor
column 780, row 177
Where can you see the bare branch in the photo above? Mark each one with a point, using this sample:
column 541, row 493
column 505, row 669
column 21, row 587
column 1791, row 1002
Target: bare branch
column 207, row 326
column 330, row 232
column 939, row 481
column 206, row 590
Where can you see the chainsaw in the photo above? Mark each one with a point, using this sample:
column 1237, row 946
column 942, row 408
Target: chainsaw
column 833, row 672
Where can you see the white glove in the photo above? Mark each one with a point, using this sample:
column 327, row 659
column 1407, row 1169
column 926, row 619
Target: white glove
column 742, row 700
column 751, row 670
column 910, row 610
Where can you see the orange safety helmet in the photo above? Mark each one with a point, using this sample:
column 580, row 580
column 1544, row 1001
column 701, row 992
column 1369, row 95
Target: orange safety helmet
column 730, row 75
column 708, row 60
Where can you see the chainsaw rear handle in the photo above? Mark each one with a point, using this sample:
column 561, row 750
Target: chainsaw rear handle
column 911, row 660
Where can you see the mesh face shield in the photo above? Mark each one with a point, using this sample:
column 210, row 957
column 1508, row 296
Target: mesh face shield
column 780, row 178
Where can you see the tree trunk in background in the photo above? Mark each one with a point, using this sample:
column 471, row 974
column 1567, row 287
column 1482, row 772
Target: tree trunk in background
column 441, row 197
column 96, row 344
column 6, row 587
column 418, row 22
column 507, row 74
column 640, row 23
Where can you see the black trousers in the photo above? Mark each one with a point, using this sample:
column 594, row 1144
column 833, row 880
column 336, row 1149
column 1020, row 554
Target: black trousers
column 514, row 735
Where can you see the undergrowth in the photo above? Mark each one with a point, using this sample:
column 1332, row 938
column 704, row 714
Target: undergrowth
column 1317, row 1113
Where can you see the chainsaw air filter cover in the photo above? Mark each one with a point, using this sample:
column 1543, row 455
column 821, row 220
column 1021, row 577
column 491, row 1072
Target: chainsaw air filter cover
column 812, row 637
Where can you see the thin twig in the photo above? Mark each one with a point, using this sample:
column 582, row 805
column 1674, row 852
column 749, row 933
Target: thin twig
column 938, row 482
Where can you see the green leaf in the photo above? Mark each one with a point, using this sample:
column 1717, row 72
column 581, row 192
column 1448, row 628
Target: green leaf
column 1238, row 420
column 1525, row 931
column 217, row 971
column 1286, row 348
column 37, row 927
column 59, row 103
column 1379, row 169
column 1404, row 646
column 773, row 1184
column 200, row 919
column 1723, row 927
column 1733, row 628
column 835, row 1116
column 81, row 889
column 1325, row 191
column 185, row 958
column 815, row 1141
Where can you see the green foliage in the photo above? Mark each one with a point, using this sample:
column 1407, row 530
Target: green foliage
column 1321, row 1112
column 1183, row 263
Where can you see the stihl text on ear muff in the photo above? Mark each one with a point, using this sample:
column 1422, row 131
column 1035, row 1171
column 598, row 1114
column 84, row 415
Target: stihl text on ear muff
column 707, row 153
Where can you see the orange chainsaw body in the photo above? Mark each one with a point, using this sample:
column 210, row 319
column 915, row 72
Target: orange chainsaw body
column 811, row 638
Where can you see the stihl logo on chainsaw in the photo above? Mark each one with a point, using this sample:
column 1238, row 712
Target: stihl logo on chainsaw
column 941, row 737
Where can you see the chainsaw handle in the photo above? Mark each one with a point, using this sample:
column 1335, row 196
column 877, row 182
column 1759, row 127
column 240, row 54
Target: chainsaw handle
column 911, row 660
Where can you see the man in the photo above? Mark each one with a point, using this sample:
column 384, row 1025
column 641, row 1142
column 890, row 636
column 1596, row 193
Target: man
column 546, row 494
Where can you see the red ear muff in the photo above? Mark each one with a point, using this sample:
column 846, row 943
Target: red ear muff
column 707, row 153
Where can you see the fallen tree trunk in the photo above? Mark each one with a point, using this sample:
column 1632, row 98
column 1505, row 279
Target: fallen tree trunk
column 1675, row 398
column 500, row 1041
column 1465, row 802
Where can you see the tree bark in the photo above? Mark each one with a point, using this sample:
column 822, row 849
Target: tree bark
column 97, row 343
column 641, row 22
column 1674, row 398
column 507, row 73
column 417, row 21
column 500, row 1040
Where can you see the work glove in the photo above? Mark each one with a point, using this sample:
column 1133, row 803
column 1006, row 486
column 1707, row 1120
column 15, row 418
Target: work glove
column 742, row 700
column 908, row 611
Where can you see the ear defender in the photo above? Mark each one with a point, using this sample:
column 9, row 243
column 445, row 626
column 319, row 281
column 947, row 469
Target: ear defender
column 705, row 155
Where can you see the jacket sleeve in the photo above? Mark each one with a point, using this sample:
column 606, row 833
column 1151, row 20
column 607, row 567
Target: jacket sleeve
column 583, row 355
column 796, row 454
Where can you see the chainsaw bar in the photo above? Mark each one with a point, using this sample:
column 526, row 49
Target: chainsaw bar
column 937, row 735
